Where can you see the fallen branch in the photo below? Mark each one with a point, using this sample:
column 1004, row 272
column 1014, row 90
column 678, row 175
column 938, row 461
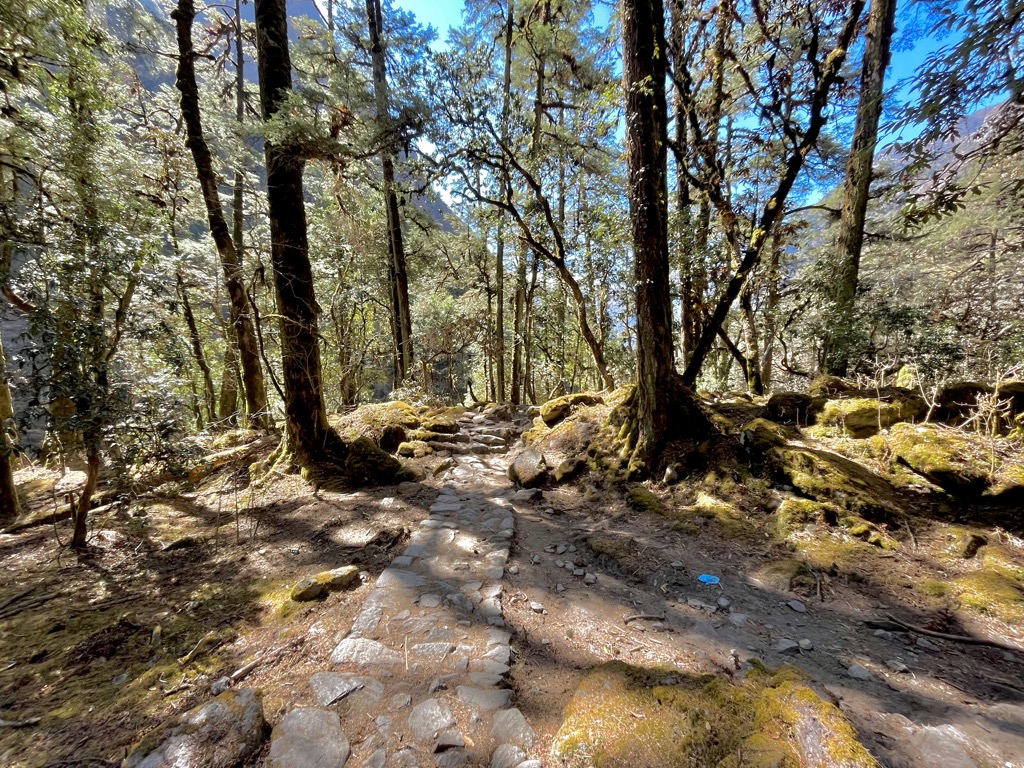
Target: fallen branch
column 16, row 597
column 642, row 617
column 954, row 638
column 33, row 603
column 20, row 723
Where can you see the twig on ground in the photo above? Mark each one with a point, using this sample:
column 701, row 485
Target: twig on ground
column 955, row 638
column 16, row 597
column 642, row 617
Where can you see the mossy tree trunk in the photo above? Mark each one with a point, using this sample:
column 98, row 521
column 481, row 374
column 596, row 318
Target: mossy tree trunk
column 248, row 352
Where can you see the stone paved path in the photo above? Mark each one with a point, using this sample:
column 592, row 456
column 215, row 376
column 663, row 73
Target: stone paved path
column 421, row 678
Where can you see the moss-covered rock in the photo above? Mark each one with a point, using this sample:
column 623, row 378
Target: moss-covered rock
column 626, row 716
column 529, row 469
column 992, row 592
column 830, row 478
column 958, row 401
column 946, row 457
column 827, row 386
column 796, row 514
column 868, row 532
column 785, row 575
column 553, row 411
column 794, row 407
column 760, row 435
column 414, row 449
column 645, row 500
column 862, row 417
column 570, row 468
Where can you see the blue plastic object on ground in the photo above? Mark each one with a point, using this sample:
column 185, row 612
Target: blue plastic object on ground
column 707, row 578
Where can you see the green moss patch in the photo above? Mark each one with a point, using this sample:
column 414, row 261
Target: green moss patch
column 949, row 458
column 862, row 417
column 645, row 500
column 992, row 592
column 796, row 514
column 786, row 575
column 626, row 716
column 553, row 411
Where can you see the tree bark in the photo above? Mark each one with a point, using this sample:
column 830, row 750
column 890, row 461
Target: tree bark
column 248, row 351
column 396, row 246
column 10, row 506
column 643, row 70
column 499, row 267
column 210, row 394
column 857, row 184
column 309, row 436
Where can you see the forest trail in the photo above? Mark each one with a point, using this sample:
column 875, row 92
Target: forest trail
column 423, row 670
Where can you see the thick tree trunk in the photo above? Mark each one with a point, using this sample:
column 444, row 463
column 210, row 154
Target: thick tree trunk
column 308, row 433
column 857, row 184
column 518, row 330
column 644, row 69
column 228, row 406
column 10, row 507
column 752, row 341
column 248, row 351
column 396, row 245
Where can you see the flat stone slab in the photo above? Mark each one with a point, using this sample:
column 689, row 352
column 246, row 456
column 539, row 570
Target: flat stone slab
column 365, row 653
column 331, row 687
column 484, row 698
column 308, row 738
column 510, row 726
column 428, row 718
column 396, row 577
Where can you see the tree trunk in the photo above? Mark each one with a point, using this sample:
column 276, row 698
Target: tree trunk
column 10, row 507
column 308, row 434
column 252, row 373
column 857, row 184
column 499, row 267
column 643, row 70
column 751, row 339
column 396, row 246
column 196, row 342
column 228, row 407
column 518, row 329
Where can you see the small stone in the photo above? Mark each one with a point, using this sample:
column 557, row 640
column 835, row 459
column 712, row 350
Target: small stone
column 330, row 687
column 511, row 727
column 859, row 672
column 559, row 563
column 536, row 607
column 579, row 573
column 498, row 637
column 550, row 550
column 123, row 678
column 307, row 737
column 430, row 601
column 366, row 653
column 559, row 587
column 677, row 564
column 928, row 645
column 738, row 619
column 787, row 646
column 897, row 666
column 400, row 701
column 428, row 718
column 724, row 603
column 884, row 634
column 572, row 548
column 806, row 645
column 561, row 549
column 484, row 698
column 513, row 570
column 797, row 606
column 507, row 756
column 340, row 578
column 535, row 559
column 590, row 579
column 449, row 740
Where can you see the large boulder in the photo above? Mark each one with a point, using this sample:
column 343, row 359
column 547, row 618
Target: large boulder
column 946, row 457
column 623, row 716
column 863, row 417
column 553, row 411
column 222, row 733
column 309, row 738
column 794, row 407
column 528, row 469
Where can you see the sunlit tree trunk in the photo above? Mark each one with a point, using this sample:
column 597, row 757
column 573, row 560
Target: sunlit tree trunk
column 857, row 184
column 10, row 507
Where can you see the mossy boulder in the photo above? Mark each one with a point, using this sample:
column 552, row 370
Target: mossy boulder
column 627, row 716
column 991, row 592
column 830, row 478
column 947, row 457
column 796, row 514
column 863, row 417
column 785, row 575
column 553, row 411
column 827, row 386
column 761, row 435
column 442, row 423
column 358, row 462
column 529, row 469
column 314, row 587
column 645, row 500
column 414, row 449
column 570, row 468
column 958, row 401
column 793, row 407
